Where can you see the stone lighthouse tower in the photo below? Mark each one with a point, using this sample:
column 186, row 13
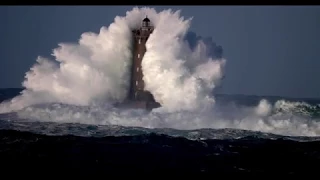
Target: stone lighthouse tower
column 140, row 97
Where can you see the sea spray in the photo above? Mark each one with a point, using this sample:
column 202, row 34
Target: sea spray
column 96, row 70
column 84, row 79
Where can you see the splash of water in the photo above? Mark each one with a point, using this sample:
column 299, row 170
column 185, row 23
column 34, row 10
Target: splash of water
column 85, row 77
column 96, row 70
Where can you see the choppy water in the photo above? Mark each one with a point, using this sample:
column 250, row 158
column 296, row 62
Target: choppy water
column 308, row 109
column 84, row 148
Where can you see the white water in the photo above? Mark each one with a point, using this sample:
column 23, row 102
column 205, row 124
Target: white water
column 83, row 78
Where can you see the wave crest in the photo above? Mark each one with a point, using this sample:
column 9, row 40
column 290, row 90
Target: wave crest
column 96, row 70
column 180, row 69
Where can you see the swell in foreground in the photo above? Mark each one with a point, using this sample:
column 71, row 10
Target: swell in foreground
column 151, row 153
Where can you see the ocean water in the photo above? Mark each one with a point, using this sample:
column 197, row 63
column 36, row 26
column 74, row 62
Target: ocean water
column 64, row 119
column 107, row 149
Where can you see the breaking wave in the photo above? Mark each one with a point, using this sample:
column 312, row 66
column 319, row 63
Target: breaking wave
column 96, row 70
column 180, row 69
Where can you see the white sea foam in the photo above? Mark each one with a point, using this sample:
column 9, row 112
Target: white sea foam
column 84, row 78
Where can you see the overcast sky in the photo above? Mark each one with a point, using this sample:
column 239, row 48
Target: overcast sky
column 269, row 50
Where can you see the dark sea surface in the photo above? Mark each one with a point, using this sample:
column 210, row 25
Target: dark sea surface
column 101, row 149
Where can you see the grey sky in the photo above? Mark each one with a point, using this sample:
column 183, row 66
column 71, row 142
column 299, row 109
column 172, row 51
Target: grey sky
column 270, row 50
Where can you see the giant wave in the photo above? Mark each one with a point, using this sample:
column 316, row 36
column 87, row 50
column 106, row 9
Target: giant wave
column 84, row 79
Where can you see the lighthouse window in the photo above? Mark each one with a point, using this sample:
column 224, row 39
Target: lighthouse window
column 137, row 69
column 138, row 55
column 136, row 83
column 139, row 40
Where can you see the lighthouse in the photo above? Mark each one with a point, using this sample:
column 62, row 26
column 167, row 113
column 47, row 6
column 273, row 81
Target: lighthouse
column 137, row 94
